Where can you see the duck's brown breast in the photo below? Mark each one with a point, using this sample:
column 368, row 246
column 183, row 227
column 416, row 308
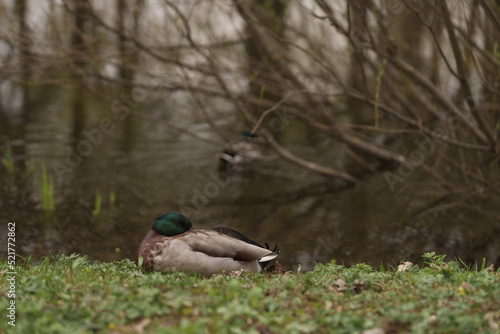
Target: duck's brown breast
column 150, row 247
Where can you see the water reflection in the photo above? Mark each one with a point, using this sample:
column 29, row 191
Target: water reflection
column 312, row 218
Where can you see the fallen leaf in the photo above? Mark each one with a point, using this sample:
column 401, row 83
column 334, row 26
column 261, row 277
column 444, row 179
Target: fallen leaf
column 404, row 266
column 263, row 329
column 340, row 285
column 277, row 269
column 376, row 330
column 467, row 286
column 490, row 316
column 357, row 286
column 236, row 273
column 141, row 325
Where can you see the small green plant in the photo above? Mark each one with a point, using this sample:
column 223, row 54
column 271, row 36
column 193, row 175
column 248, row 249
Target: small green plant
column 8, row 162
column 254, row 76
column 432, row 258
column 112, row 200
column 47, row 191
column 97, row 204
column 378, row 84
column 140, row 260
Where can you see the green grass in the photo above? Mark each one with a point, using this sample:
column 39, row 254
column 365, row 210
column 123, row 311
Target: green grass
column 47, row 191
column 70, row 294
column 97, row 204
column 8, row 162
column 112, row 200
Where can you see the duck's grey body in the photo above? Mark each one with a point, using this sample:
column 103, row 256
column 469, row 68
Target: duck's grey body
column 203, row 251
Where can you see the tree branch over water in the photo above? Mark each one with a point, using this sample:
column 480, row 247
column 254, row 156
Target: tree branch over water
column 404, row 91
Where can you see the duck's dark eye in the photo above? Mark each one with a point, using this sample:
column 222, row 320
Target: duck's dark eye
column 178, row 223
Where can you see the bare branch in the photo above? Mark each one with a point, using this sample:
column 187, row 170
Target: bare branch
column 304, row 163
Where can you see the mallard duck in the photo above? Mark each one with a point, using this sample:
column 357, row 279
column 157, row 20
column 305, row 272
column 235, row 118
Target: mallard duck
column 172, row 245
column 239, row 154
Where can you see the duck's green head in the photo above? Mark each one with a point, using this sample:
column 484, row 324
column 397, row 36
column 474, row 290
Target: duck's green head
column 171, row 224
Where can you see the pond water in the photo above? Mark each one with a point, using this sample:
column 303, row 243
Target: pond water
column 140, row 174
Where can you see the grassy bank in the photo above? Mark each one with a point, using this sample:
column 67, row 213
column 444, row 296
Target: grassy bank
column 69, row 294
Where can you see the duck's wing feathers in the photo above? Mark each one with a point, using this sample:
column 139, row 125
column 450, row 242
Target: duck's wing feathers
column 217, row 244
column 235, row 234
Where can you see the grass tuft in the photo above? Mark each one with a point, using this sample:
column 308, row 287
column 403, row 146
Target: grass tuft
column 8, row 162
column 97, row 203
column 47, row 191
column 112, row 200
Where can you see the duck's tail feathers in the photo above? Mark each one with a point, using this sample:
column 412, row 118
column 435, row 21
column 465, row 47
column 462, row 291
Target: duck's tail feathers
column 275, row 250
column 264, row 261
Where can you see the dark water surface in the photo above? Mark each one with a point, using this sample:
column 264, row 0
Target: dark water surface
column 151, row 170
